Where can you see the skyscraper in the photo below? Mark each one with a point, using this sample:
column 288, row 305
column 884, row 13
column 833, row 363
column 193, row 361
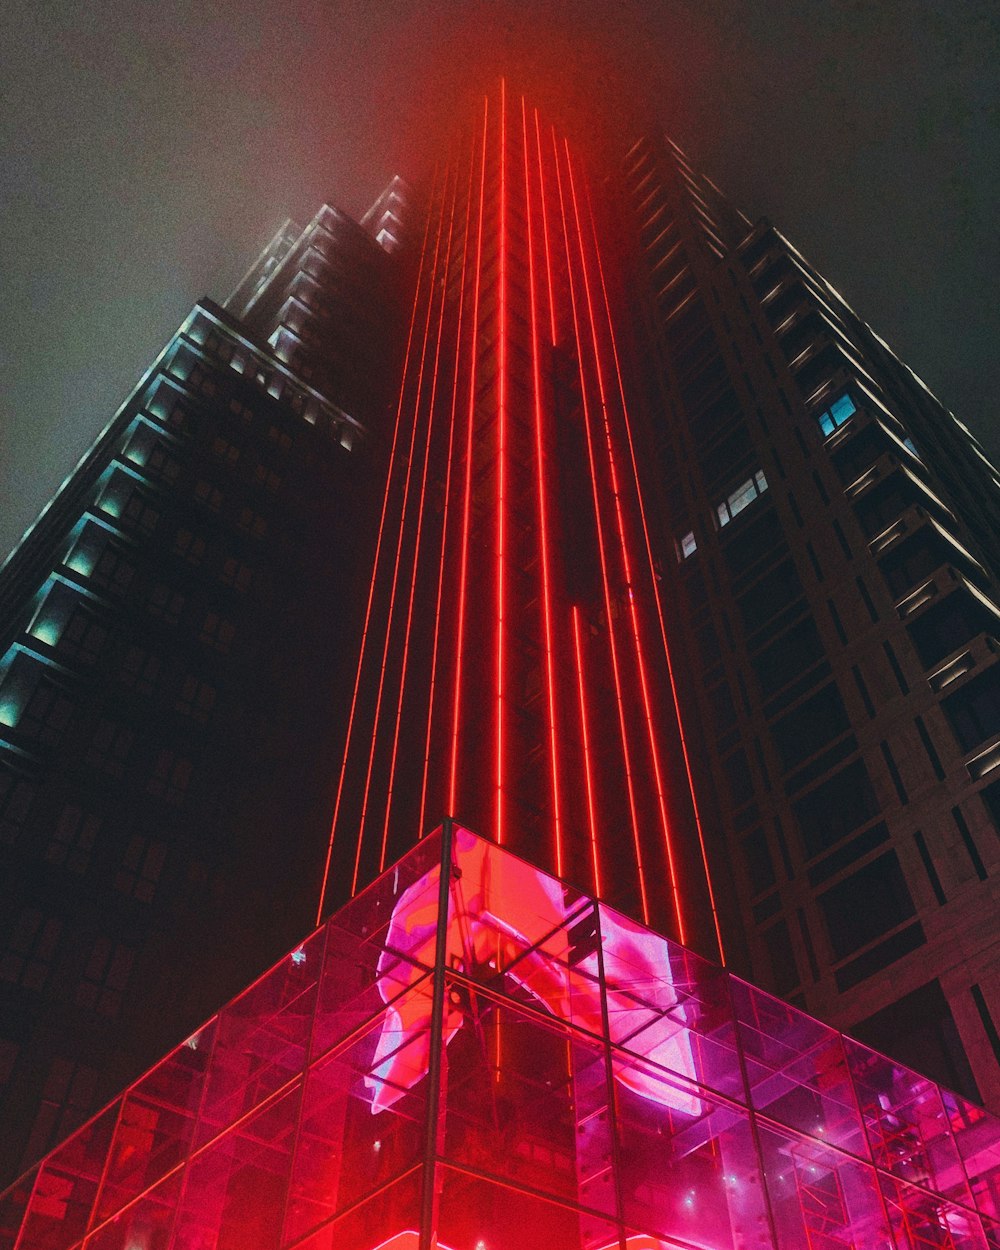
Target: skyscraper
column 605, row 624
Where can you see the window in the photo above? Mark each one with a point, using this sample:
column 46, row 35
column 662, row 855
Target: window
column 217, row 632
column 839, row 412
column 252, row 522
column 31, row 949
column 16, row 797
column 140, row 670
column 687, row 546
column 105, row 978
column 171, row 778
column 950, row 624
column 73, row 839
column 838, row 806
column 67, row 1100
column 112, row 571
column 83, row 636
column 742, row 497
column 225, row 450
column 865, row 905
column 165, row 603
column 141, row 868
column 208, row 494
column 810, row 727
column 109, row 747
column 974, row 711
column 189, row 545
column 139, row 512
column 46, row 714
column 237, row 574
column 196, row 699
column 267, row 478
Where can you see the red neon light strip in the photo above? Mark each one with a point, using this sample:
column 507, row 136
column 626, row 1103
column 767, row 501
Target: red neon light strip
column 447, row 504
column 464, row 566
column 420, row 523
column 585, row 734
column 626, row 565
column 371, row 588
column 545, row 228
column 626, row 753
column 542, row 512
column 399, row 547
column 651, row 567
column 501, row 467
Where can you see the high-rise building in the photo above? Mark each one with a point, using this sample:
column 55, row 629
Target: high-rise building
column 680, row 587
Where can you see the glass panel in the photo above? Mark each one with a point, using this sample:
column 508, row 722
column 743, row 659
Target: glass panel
column 261, row 1039
column 527, row 1100
column 907, row 1126
column 478, row 1213
column 388, row 1220
column 146, row 1223
column 797, row 1070
column 687, row 1167
column 921, row 1220
column 363, row 1115
column 977, row 1134
column 820, row 1197
column 156, row 1126
column 234, row 1190
column 66, row 1185
column 381, row 943
column 669, row 1006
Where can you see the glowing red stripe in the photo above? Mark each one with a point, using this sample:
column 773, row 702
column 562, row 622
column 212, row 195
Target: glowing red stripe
column 420, row 523
column 626, row 753
column 396, row 566
column 447, row 506
column 587, row 772
column 501, row 464
column 651, row 565
column 626, row 565
column 545, row 229
column 464, row 565
column 371, row 588
column 542, row 509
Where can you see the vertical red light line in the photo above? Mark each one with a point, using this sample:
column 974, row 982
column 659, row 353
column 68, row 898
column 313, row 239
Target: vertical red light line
column 420, row 514
column 615, row 667
column 545, row 229
column 399, row 549
column 446, row 516
column 542, row 511
column 627, row 568
column 501, row 471
column 585, row 735
column 374, row 580
column 464, row 562
column 651, row 565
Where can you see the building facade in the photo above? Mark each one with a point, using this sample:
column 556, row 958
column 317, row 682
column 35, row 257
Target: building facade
column 834, row 588
column 673, row 581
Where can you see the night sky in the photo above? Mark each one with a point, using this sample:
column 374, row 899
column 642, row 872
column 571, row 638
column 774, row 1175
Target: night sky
column 149, row 150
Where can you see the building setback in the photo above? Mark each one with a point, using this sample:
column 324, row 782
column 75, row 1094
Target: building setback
column 679, row 586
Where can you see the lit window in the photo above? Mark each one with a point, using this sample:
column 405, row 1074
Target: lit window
column 742, row 497
column 835, row 416
column 687, row 545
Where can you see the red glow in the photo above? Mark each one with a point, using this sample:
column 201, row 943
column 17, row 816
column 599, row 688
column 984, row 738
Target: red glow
column 626, row 752
column 399, row 548
column 464, row 567
column 585, row 735
column 627, row 567
column 371, row 593
column 651, row 566
column 420, row 523
column 501, row 463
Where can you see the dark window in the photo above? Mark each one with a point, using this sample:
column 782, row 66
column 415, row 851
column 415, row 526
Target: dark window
column 865, row 905
column 835, row 808
column 948, row 625
column 762, row 539
column 781, row 953
column 760, row 867
column 170, row 778
column 105, row 978
column 738, row 776
column 109, row 747
column 73, row 839
column 810, row 726
column 912, row 560
column 974, row 711
column 790, row 655
column 880, row 506
column 771, row 595
column 31, row 949
column 141, row 868
column 851, row 459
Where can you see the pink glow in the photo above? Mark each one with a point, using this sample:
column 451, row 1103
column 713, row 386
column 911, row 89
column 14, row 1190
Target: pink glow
column 501, row 910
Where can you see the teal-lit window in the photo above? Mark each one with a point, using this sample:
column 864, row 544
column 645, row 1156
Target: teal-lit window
column 742, row 497
column 840, row 411
column 687, row 546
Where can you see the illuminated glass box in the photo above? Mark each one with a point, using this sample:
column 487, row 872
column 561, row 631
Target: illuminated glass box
column 486, row 1059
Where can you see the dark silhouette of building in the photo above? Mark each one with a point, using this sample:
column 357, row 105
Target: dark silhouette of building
column 658, row 568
